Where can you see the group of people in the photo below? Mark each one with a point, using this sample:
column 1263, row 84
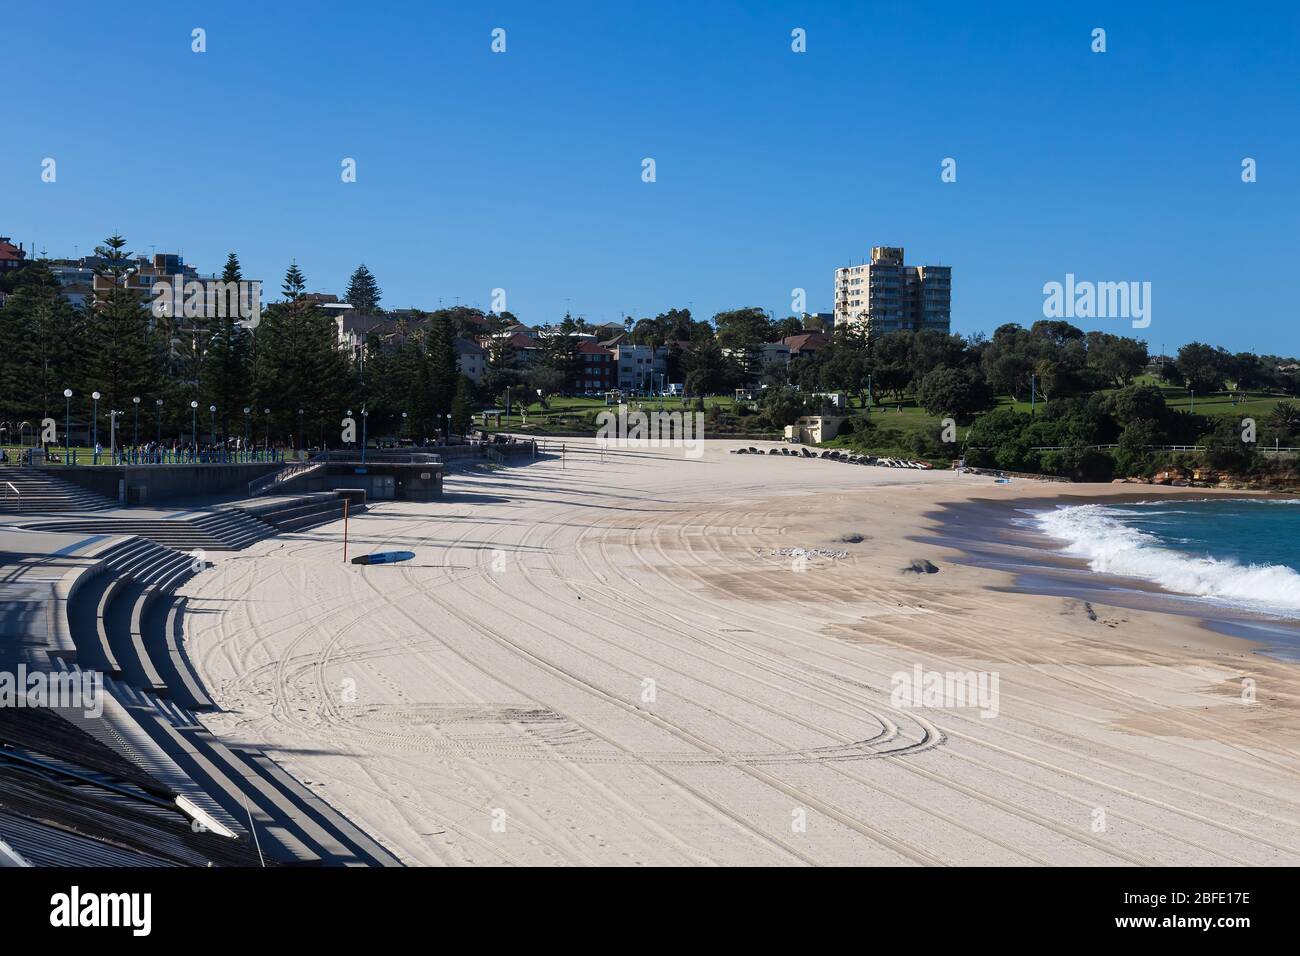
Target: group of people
column 182, row 451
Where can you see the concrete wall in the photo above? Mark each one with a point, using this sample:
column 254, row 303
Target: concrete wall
column 383, row 481
column 156, row 483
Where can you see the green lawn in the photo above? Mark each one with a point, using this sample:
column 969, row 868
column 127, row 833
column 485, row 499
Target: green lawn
column 569, row 414
column 1254, row 404
column 1257, row 405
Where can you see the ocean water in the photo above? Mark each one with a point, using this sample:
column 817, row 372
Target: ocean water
column 1237, row 553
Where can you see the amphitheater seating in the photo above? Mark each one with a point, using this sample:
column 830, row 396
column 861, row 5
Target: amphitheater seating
column 200, row 795
column 38, row 490
column 298, row 513
column 223, row 529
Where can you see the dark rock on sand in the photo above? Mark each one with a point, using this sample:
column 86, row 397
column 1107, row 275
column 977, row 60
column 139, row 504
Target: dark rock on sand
column 920, row 566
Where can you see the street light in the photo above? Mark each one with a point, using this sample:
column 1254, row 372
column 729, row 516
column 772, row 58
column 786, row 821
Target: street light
column 67, row 426
column 301, row 456
column 94, row 421
column 406, row 426
column 212, row 412
column 136, row 438
column 158, row 405
column 267, row 412
column 194, row 430
column 365, row 416
column 247, row 428
column 113, row 415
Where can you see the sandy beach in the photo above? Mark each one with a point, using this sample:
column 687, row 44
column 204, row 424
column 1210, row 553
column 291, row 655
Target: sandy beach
column 615, row 659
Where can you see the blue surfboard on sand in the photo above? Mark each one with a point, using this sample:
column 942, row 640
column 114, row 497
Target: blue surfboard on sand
column 384, row 557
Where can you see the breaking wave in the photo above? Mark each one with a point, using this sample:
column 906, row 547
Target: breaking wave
column 1095, row 534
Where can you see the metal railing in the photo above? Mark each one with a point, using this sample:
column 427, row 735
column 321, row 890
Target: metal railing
column 1263, row 449
column 9, row 487
column 182, row 456
column 260, row 485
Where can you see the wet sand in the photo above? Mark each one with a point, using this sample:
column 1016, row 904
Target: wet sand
column 999, row 534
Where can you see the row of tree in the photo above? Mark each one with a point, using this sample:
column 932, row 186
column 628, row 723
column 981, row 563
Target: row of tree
column 288, row 371
column 292, row 376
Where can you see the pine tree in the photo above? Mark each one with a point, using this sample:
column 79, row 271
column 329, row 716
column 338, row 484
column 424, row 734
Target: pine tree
column 297, row 363
column 363, row 291
column 442, row 367
column 227, row 364
column 420, row 392
column 17, row 360
column 462, row 406
column 295, row 283
column 42, row 345
column 126, row 356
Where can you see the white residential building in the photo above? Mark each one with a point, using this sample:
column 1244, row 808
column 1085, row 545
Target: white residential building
column 471, row 359
column 640, row 368
column 885, row 295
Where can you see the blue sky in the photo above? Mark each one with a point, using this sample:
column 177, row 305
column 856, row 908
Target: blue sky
column 522, row 170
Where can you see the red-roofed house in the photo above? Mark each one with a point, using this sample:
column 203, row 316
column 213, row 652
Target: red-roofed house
column 806, row 344
column 11, row 256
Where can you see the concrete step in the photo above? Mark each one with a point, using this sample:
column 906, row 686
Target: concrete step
column 225, row 779
column 121, row 627
column 164, row 637
column 366, row 849
column 41, row 491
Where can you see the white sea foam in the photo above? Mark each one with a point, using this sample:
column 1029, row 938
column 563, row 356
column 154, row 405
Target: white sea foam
column 1109, row 546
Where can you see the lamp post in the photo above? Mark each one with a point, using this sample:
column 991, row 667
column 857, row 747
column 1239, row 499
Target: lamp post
column 194, row 429
column 135, row 439
column 1192, row 392
column 267, row 413
column 158, row 405
column 212, row 412
column 301, row 456
column 112, row 432
column 449, row 428
column 94, row 424
column 247, row 432
column 67, row 426
column 365, row 417
column 406, row 426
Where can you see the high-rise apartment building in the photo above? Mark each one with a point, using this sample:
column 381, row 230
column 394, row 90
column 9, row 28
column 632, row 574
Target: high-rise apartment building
column 887, row 296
